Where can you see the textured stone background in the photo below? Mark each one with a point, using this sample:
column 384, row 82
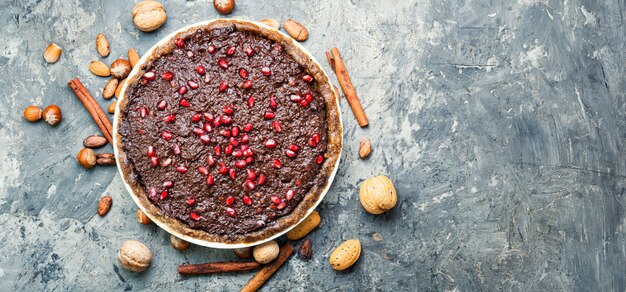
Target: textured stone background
column 501, row 123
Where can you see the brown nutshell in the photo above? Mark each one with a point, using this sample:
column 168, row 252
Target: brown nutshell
column 120, row 68
column 179, row 244
column 244, row 253
column 142, row 218
column 52, row 53
column 87, row 158
column 224, row 6
column 104, row 205
column 32, row 113
column 365, row 148
column 52, row 115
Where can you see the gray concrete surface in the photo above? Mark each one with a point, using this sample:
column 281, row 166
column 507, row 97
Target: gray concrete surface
column 500, row 122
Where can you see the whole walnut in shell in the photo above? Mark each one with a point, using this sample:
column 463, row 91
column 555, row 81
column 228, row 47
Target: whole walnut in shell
column 378, row 194
column 148, row 15
column 134, row 256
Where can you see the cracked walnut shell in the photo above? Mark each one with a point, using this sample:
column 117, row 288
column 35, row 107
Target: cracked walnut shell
column 378, row 194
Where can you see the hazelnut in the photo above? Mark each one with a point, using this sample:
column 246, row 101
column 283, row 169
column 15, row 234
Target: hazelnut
column 178, row 243
column 244, row 253
column 32, row 113
column 134, row 256
column 120, row 68
column 52, row 53
column 266, row 252
column 224, row 6
column 143, row 218
column 148, row 15
column 87, row 158
column 378, row 194
column 52, row 115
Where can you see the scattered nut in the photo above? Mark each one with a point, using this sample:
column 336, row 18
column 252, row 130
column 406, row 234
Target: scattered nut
column 102, row 45
column 100, row 69
column 120, row 68
column 296, row 30
column 224, row 6
column 134, row 256
column 273, row 23
column 52, row 53
column 32, row 113
column 148, row 15
column 345, row 255
column 133, row 57
column 104, row 205
column 142, row 218
column 105, row 159
column 178, row 243
column 244, row 253
column 365, row 148
column 302, row 229
column 87, row 158
column 52, row 115
column 305, row 250
column 118, row 90
column 94, row 141
column 109, row 89
column 266, row 252
column 111, row 107
column 377, row 194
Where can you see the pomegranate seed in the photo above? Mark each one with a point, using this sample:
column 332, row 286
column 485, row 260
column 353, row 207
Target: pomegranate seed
column 194, row 216
column 190, row 201
column 249, row 160
column 316, row 137
column 181, row 169
column 307, row 78
column 223, row 86
column 304, row 103
column 231, row 51
column 228, row 150
column 320, row 159
column 251, row 101
column 281, row 206
column 231, row 212
column 249, row 51
column 149, row 76
column 168, row 184
column 154, row 161
column 211, row 49
column 182, row 90
column 290, row 153
column 243, row 73
column 289, row 195
column 200, row 70
column 248, row 153
column 163, row 195
column 228, row 110
column 198, row 131
column 312, row 143
column 247, row 127
column 233, row 141
column 245, row 138
column 167, row 135
column 298, row 183
column 222, row 169
column 216, row 122
column 237, row 153
column 277, row 164
column 295, row 98
column 226, row 120
column 235, row 131
column 179, row 42
column 222, row 63
column 210, row 160
column 203, row 170
column 275, row 199
column 225, row 133
column 266, row 71
column 247, row 84
column 261, row 179
column 168, row 76
column 206, row 140
column 196, row 117
column 144, row 81
column 218, row 150
column 170, row 118
column 161, row 105
column 294, row 148
column 176, row 150
column 151, row 151
column 208, row 117
column 152, row 193
column 207, row 127
column 269, row 115
column 210, row 179
column 272, row 102
column 192, row 84
column 143, row 112
column 251, row 174
column 270, row 143
column 247, row 200
column 167, row 162
column 308, row 97
column 232, row 173
column 184, row 103
column 276, row 126
column 240, row 163
column 230, row 200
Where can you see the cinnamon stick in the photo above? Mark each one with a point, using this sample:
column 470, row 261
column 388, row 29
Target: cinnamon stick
column 93, row 108
column 346, row 85
column 221, row 267
column 268, row 270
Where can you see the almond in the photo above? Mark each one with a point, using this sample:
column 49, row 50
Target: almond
column 109, row 89
column 142, row 218
column 52, row 53
column 104, row 205
column 102, row 45
column 111, row 108
column 273, row 23
column 100, row 69
column 94, row 141
column 120, row 68
column 296, row 30
column 118, row 90
column 133, row 57
column 179, row 244
column 302, row 229
column 345, row 255
column 365, row 148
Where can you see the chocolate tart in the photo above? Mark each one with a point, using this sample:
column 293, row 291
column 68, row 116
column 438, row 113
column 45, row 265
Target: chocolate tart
column 227, row 133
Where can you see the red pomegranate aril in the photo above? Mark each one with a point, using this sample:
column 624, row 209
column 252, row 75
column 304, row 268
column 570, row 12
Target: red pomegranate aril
column 223, row 86
column 190, row 201
column 198, row 131
column 167, row 135
column 272, row 102
column 151, row 152
column 179, row 42
column 194, row 216
column 304, row 103
column 216, row 122
column 247, row 127
column 307, row 78
column 168, row 184
column 277, row 163
column 169, row 118
column 294, row 147
column 222, row 63
column 228, row 110
column 203, row 170
column 143, row 112
column 248, row 153
column 308, row 97
column 166, row 162
column 152, row 193
column 233, row 141
column 249, row 51
column 222, row 169
column 237, row 153
column 316, row 137
column 244, row 139
column 143, row 81
column 269, row 115
column 231, row 51
column 182, row 90
column 192, row 84
column 210, row 160
column 298, row 183
column 206, row 140
column 211, row 49
column 228, row 150
column 249, row 160
column 226, row 120
column 251, row 174
column 277, row 126
column 266, row 71
column 320, row 159
column 247, row 84
column 240, row 163
column 243, row 73
column 161, row 105
column 312, row 143
column 207, row 127
column 261, row 179
column 291, row 153
column 181, row 169
column 225, row 133
column 232, row 173
column 251, row 101
column 196, row 117
column 200, row 70
column 249, row 185
column 168, row 76
column 217, row 150
column 246, row 200
column 208, row 117
column 275, row 199
column 231, row 212
column 270, row 143
column 210, row 179
column 235, row 131
column 184, row 103
column 154, row 161
column 230, row 200
column 295, row 98
column 149, row 76
column 289, row 195
column 176, row 150
column 281, row 206
column 163, row 195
